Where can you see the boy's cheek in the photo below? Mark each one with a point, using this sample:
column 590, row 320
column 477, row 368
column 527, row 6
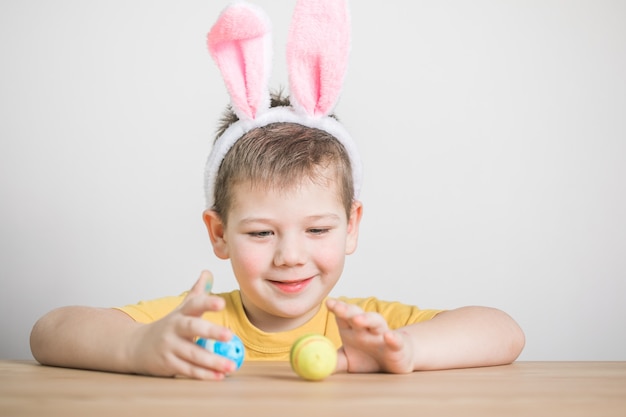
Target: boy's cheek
column 250, row 261
column 330, row 257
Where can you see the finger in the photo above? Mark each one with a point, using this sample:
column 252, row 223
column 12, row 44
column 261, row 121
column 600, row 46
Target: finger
column 343, row 310
column 208, row 281
column 196, row 306
column 189, row 328
column 199, row 357
column 394, row 340
column 188, row 369
column 203, row 285
column 336, row 309
column 343, row 313
column 371, row 322
column 352, row 316
column 342, row 361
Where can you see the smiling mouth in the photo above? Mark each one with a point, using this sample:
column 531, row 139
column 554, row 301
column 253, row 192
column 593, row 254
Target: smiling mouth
column 292, row 287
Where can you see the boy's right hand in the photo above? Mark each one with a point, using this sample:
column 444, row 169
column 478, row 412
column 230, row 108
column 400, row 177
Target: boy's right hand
column 167, row 347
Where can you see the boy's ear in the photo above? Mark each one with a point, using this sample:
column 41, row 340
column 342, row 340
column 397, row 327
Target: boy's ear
column 215, row 227
column 356, row 212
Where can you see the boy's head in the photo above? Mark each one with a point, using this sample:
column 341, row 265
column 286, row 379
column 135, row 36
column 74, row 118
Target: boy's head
column 283, row 178
column 285, row 215
column 279, row 157
column 273, row 142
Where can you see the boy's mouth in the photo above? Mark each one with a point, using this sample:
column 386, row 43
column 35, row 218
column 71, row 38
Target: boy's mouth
column 292, row 287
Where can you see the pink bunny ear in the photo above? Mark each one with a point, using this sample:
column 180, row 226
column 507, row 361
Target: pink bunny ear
column 317, row 54
column 240, row 44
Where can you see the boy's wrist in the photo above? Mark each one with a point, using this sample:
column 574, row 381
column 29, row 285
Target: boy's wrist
column 128, row 357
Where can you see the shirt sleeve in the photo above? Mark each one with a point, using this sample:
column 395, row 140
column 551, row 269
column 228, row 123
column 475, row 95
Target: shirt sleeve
column 397, row 314
column 153, row 310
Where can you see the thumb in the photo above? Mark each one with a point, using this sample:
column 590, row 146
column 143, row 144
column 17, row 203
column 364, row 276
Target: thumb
column 203, row 285
column 196, row 302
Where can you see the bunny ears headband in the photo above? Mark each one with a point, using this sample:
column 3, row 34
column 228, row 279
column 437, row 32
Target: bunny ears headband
column 317, row 58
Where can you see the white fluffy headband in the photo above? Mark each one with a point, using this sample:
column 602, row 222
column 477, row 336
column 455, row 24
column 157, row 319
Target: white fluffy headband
column 317, row 58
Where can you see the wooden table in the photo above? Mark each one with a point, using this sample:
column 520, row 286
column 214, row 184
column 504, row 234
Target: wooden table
column 259, row 389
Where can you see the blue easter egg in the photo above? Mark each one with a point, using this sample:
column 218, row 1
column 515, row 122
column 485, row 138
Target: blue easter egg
column 233, row 349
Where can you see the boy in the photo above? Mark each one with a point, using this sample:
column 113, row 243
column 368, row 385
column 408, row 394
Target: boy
column 282, row 186
column 286, row 235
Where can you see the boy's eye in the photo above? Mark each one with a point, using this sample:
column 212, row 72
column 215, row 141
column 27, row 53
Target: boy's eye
column 264, row 233
column 318, row 231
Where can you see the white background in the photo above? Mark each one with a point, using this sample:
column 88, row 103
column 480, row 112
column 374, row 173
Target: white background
column 493, row 136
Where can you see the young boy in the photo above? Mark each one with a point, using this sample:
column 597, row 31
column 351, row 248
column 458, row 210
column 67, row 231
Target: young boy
column 282, row 207
column 285, row 217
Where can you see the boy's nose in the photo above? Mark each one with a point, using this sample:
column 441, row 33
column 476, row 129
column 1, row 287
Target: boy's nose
column 289, row 252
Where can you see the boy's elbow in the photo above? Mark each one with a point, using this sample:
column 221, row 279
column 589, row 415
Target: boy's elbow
column 43, row 335
column 36, row 340
column 520, row 342
column 514, row 343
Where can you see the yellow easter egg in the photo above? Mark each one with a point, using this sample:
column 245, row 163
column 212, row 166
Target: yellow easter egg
column 313, row 357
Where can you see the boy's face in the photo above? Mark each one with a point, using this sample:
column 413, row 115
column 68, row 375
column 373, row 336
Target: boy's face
column 287, row 249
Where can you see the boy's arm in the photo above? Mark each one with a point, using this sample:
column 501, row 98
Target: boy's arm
column 461, row 338
column 84, row 337
column 109, row 340
column 465, row 337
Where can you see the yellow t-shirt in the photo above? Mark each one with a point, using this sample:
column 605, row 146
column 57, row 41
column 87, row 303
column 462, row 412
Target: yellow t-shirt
column 262, row 345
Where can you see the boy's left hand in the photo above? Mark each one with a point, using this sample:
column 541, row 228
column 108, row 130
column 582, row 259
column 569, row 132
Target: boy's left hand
column 368, row 343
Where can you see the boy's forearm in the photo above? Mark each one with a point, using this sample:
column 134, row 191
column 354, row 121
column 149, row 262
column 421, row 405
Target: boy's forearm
column 466, row 337
column 83, row 337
